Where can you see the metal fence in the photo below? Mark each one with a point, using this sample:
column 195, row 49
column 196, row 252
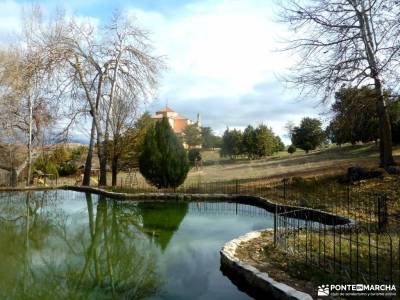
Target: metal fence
column 334, row 197
column 367, row 251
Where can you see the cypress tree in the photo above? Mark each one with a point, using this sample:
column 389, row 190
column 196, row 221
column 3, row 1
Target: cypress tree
column 249, row 142
column 163, row 160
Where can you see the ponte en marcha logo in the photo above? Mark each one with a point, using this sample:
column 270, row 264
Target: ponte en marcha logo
column 385, row 290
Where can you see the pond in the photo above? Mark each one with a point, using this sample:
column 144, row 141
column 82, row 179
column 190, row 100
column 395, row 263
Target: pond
column 71, row 245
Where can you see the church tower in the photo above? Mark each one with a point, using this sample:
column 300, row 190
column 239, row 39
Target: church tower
column 198, row 120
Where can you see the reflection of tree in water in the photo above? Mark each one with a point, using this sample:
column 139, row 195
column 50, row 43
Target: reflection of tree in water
column 160, row 221
column 42, row 256
column 116, row 262
column 24, row 226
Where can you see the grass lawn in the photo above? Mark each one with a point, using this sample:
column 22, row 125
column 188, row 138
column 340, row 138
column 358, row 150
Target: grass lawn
column 328, row 161
column 343, row 257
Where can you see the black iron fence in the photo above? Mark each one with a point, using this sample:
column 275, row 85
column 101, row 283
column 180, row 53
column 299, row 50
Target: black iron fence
column 364, row 251
column 332, row 196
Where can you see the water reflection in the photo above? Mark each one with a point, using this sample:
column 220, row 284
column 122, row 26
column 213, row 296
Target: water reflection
column 70, row 245
column 49, row 253
column 160, row 222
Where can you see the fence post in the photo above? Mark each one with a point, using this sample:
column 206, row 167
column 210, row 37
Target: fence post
column 382, row 212
column 348, row 199
column 275, row 229
column 237, row 186
column 284, row 188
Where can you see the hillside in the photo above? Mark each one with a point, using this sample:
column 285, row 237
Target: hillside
column 326, row 161
column 333, row 160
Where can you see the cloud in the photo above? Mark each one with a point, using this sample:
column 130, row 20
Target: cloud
column 267, row 106
column 223, row 63
column 10, row 16
column 223, row 46
column 221, row 56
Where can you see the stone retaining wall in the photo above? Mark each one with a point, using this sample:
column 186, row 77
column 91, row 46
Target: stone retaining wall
column 29, row 188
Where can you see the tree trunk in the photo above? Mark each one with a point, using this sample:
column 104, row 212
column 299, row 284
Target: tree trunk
column 385, row 129
column 28, row 177
column 102, row 158
column 114, row 170
column 88, row 163
column 103, row 169
column 13, row 177
column 110, row 107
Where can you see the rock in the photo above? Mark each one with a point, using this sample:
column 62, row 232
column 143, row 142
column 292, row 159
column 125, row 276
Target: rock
column 393, row 170
column 357, row 173
column 379, row 172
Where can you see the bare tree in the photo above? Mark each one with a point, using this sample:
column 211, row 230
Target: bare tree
column 26, row 90
column 132, row 77
column 289, row 126
column 347, row 42
column 102, row 70
column 104, row 63
column 121, row 121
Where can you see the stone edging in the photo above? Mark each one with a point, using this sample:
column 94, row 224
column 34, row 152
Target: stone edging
column 151, row 196
column 297, row 212
column 30, row 188
column 261, row 283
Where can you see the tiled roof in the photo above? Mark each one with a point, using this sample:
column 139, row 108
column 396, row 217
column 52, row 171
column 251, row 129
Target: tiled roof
column 178, row 117
column 166, row 109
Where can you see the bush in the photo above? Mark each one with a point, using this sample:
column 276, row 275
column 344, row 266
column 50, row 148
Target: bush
column 194, row 155
column 66, row 169
column 253, row 142
column 60, row 155
column 163, row 160
column 291, row 149
column 309, row 135
column 280, row 146
column 77, row 152
column 45, row 165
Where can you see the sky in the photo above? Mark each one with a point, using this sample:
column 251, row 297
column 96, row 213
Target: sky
column 222, row 57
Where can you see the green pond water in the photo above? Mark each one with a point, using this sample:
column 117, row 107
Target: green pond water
column 71, row 245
